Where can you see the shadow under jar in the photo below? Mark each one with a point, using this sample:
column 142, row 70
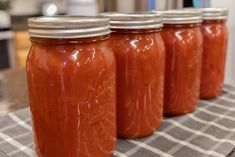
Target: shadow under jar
column 215, row 35
column 140, row 57
column 72, row 86
column 183, row 41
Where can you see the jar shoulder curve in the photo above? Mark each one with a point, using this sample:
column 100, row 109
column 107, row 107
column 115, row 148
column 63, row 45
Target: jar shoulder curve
column 137, row 43
column 79, row 56
column 214, row 29
column 183, row 36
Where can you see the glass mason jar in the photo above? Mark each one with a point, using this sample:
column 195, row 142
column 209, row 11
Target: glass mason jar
column 71, row 82
column 215, row 35
column 140, row 57
column 183, row 41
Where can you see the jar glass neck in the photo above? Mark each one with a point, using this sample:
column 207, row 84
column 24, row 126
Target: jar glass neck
column 182, row 25
column 214, row 21
column 67, row 40
column 134, row 31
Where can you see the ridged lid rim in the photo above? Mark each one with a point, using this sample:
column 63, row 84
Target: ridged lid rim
column 68, row 26
column 134, row 20
column 214, row 13
column 181, row 16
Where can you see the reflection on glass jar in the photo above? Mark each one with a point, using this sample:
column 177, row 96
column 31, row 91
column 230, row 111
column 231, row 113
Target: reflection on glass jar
column 71, row 82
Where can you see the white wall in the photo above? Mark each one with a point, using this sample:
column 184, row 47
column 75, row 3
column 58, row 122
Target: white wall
column 230, row 65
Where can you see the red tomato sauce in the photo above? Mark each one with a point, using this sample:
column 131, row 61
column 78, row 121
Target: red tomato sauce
column 183, row 44
column 72, row 93
column 140, row 58
column 215, row 37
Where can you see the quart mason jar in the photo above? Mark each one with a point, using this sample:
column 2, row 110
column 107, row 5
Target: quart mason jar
column 183, row 41
column 71, row 83
column 140, row 57
column 215, row 38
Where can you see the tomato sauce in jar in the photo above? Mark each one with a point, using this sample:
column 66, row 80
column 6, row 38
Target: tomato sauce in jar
column 140, row 57
column 215, row 35
column 72, row 86
column 183, row 41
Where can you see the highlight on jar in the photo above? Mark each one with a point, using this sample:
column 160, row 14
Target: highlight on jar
column 112, row 78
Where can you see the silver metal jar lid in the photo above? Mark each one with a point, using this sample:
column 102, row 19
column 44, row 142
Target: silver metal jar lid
column 181, row 16
column 136, row 20
column 214, row 13
column 68, row 27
